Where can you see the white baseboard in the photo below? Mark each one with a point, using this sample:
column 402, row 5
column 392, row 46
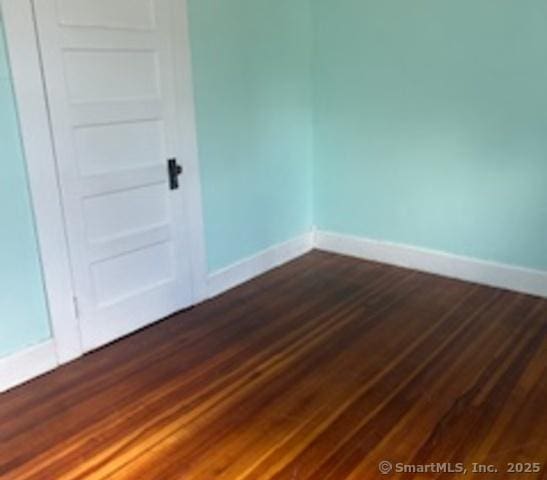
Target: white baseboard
column 249, row 268
column 27, row 364
column 533, row 282
column 35, row 361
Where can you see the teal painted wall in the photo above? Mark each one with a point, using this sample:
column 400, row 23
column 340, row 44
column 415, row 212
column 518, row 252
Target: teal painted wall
column 420, row 122
column 23, row 312
column 252, row 80
column 431, row 124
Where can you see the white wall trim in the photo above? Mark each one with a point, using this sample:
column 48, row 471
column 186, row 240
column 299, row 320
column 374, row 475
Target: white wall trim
column 533, row 282
column 27, row 364
column 251, row 267
column 42, row 173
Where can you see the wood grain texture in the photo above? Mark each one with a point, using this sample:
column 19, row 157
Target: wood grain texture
column 318, row 370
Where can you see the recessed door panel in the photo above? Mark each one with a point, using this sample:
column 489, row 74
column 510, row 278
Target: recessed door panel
column 119, row 146
column 126, row 14
column 111, row 75
column 125, row 276
column 123, row 213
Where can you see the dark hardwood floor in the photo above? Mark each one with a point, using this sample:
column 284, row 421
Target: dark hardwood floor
column 320, row 370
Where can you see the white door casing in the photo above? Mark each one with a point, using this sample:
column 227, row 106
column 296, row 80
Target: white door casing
column 114, row 75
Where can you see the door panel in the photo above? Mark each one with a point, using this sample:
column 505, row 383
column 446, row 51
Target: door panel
column 135, row 14
column 110, row 81
column 118, row 75
column 126, row 212
column 103, row 149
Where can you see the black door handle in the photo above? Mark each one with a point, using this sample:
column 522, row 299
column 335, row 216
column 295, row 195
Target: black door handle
column 174, row 171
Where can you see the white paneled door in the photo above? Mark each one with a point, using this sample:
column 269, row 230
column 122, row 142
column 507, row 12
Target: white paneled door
column 110, row 74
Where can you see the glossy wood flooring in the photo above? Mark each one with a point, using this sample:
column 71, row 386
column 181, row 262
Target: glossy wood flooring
column 318, row 370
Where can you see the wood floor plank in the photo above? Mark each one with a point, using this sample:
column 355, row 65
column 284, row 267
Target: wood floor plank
column 319, row 369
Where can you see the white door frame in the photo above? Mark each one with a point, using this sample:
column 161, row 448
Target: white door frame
column 19, row 23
